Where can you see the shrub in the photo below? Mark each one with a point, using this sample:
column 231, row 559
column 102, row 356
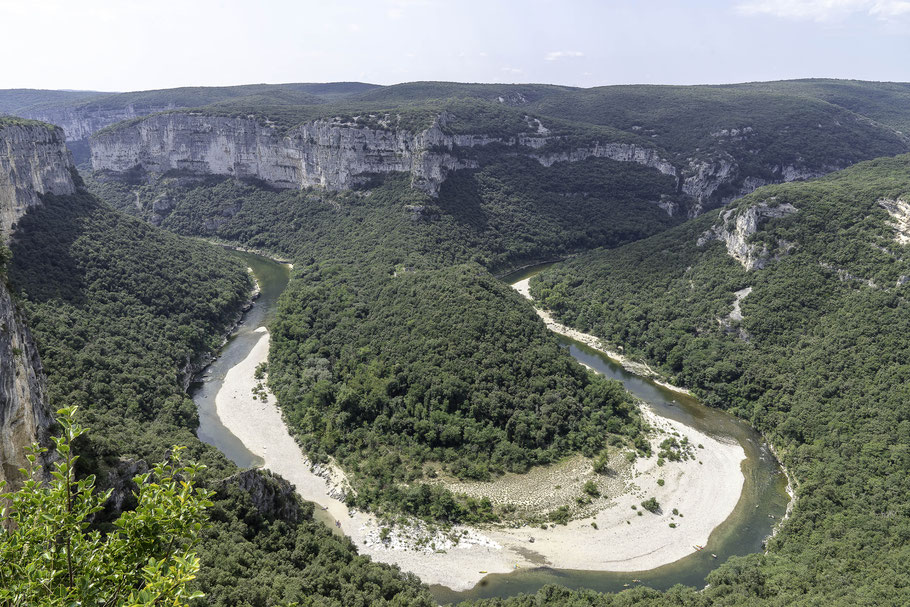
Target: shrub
column 590, row 488
column 651, row 505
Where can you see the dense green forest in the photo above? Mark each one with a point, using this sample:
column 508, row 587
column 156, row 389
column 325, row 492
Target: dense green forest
column 116, row 323
column 722, row 140
column 819, row 361
column 117, row 308
column 14, row 101
column 511, row 211
column 432, row 366
column 391, row 314
column 393, row 334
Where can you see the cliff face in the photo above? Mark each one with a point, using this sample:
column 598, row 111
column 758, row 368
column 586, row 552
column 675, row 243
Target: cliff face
column 24, row 414
column 703, row 178
column 33, row 160
column 79, row 123
column 332, row 154
column 737, row 226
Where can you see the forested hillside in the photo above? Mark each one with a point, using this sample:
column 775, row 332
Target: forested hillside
column 118, row 309
column 810, row 346
column 397, row 352
column 381, row 336
column 723, row 141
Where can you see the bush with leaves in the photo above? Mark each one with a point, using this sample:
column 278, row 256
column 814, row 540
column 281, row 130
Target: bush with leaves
column 50, row 555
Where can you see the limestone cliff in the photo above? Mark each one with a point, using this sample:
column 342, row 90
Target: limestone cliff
column 24, row 415
column 705, row 178
column 78, row 123
column 736, row 227
column 335, row 154
column 33, row 161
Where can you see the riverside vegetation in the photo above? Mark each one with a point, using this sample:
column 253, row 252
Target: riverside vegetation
column 117, row 308
column 364, row 354
column 818, row 363
column 387, row 252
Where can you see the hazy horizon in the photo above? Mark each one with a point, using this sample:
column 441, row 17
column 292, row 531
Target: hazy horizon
column 105, row 45
column 461, row 82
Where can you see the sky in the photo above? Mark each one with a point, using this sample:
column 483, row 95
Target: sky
column 124, row 45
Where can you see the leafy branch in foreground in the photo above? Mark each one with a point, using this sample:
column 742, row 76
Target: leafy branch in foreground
column 49, row 556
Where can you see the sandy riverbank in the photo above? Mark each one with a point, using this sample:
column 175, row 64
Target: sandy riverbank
column 704, row 490
column 592, row 341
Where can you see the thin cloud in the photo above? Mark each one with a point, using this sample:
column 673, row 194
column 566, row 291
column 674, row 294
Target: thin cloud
column 556, row 55
column 824, row 10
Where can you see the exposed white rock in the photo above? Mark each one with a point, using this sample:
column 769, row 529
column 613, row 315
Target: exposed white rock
column 737, row 314
column 736, row 226
column 24, row 413
column 899, row 210
column 703, row 177
column 623, row 152
column 325, row 153
column 78, row 123
column 792, row 173
column 33, row 161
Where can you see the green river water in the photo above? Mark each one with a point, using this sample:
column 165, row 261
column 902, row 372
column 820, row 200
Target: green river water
column 762, row 504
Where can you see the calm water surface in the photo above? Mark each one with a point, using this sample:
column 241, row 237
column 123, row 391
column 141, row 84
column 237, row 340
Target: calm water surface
column 273, row 278
column 761, row 505
column 763, row 501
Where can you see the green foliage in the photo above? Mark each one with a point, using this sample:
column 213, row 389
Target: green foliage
column 786, row 129
column 601, row 463
column 5, row 256
column 253, row 559
column 885, row 102
column 818, row 363
column 49, row 556
column 118, row 310
column 590, row 487
column 379, row 338
column 651, row 505
column 6, row 121
column 560, row 516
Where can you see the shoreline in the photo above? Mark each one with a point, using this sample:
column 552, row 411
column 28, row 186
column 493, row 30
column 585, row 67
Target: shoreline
column 524, row 288
column 705, row 493
column 592, row 341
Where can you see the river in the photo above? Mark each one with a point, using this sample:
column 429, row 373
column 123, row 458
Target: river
column 761, row 505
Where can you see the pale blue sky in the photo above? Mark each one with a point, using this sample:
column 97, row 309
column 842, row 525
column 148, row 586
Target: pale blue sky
column 131, row 45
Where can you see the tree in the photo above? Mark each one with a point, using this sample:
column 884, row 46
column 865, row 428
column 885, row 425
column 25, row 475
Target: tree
column 50, row 556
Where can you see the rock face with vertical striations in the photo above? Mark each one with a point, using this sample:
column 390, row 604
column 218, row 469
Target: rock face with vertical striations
column 736, row 227
column 24, row 414
column 335, row 154
column 33, row 161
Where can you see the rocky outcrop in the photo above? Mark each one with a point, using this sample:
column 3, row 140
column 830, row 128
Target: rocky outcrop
column 79, row 123
column 33, row 161
column 737, row 226
column 899, row 210
column 335, row 154
column 703, row 180
column 24, row 414
column 270, row 494
column 622, row 152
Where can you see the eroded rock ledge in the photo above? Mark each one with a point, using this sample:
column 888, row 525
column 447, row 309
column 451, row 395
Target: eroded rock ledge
column 331, row 153
column 33, row 161
column 736, row 226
